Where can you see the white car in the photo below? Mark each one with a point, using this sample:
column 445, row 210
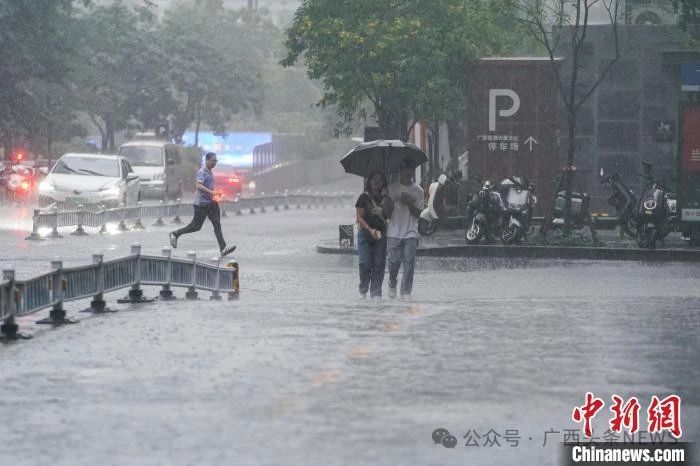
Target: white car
column 90, row 179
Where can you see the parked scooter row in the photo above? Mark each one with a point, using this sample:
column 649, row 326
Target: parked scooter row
column 480, row 209
column 506, row 211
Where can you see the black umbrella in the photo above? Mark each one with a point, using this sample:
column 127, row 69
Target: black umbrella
column 383, row 155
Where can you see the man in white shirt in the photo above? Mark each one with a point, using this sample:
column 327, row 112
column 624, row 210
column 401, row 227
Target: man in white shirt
column 402, row 231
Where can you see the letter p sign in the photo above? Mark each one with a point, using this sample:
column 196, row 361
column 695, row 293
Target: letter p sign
column 515, row 106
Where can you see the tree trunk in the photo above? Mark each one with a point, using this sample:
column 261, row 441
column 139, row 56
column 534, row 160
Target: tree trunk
column 198, row 123
column 108, row 138
column 99, row 128
column 457, row 140
column 571, row 153
column 435, row 146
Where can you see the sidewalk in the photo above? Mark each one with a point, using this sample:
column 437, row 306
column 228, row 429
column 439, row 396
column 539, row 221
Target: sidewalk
column 611, row 247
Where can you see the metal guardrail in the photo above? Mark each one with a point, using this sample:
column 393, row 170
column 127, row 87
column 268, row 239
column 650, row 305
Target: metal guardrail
column 97, row 217
column 50, row 290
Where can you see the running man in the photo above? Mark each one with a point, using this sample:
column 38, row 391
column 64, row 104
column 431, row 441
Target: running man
column 205, row 205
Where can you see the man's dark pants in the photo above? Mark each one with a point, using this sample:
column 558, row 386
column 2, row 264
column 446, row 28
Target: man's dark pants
column 201, row 212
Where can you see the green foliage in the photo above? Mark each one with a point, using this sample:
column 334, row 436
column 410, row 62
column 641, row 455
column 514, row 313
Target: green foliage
column 213, row 66
column 68, row 65
column 118, row 74
column 688, row 13
column 407, row 57
column 29, row 62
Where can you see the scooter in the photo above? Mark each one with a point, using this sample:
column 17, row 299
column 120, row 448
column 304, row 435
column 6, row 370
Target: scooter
column 580, row 210
column 673, row 220
column 625, row 202
column 653, row 216
column 518, row 206
column 446, row 206
column 20, row 184
column 485, row 215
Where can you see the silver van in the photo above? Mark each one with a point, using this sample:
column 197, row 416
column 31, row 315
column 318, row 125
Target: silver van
column 158, row 165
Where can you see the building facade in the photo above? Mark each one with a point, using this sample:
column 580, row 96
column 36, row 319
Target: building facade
column 632, row 116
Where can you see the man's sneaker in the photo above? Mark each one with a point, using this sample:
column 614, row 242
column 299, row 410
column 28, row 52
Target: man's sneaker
column 228, row 250
column 392, row 292
column 173, row 240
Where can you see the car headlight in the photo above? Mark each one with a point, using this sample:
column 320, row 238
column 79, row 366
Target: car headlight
column 158, row 177
column 251, row 185
column 45, row 187
column 113, row 191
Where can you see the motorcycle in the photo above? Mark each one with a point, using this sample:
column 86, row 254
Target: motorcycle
column 580, row 210
column 485, row 215
column 625, row 202
column 519, row 204
column 19, row 185
column 446, row 207
column 655, row 219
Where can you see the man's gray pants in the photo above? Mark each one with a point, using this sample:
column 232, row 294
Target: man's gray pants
column 402, row 251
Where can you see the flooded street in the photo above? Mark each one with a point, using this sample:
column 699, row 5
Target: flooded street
column 301, row 369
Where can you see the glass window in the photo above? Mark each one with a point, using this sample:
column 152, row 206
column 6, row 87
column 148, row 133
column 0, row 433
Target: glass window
column 143, row 156
column 77, row 165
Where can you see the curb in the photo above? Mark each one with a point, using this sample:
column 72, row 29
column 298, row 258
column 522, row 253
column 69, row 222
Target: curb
column 540, row 252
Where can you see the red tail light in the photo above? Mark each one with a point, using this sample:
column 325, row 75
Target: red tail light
column 233, row 180
column 25, row 185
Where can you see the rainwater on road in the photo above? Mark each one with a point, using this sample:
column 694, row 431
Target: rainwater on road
column 301, row 371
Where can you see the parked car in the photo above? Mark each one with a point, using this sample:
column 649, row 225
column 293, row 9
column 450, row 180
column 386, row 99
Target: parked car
column 158, row 165
column 87, row 179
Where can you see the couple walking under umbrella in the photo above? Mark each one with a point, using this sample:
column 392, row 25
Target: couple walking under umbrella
column 387, row 214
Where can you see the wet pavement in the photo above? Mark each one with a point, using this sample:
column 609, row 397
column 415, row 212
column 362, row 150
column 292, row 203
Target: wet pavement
column 300, row 371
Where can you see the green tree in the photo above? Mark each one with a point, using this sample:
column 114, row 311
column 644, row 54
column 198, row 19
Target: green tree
column 213, row 67
column 29, row 61
column 120, row 75
column 408, row 58
column 688, row 15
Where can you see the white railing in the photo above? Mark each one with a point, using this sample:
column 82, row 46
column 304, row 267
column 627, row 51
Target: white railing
column 50, row 290
column 97, row 217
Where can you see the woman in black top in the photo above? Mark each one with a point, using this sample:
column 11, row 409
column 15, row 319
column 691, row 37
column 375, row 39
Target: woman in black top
column 371, row 237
